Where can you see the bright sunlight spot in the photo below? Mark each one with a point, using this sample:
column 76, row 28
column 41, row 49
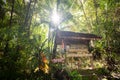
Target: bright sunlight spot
column 56, row 18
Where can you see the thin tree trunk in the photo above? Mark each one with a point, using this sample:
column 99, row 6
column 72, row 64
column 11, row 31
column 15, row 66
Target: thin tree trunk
column 6, row 49
column 106, row 26
column 96, row 12
column 12, row 10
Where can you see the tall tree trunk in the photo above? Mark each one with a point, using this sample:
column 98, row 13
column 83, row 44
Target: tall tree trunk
column 55, row 44
column 27, row 18
column 87, row 20
column 96, row 14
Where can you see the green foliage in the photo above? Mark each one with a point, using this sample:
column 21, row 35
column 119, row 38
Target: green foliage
column 75, row 75
column 19, row 45
column 97, row 53
column 102, row 71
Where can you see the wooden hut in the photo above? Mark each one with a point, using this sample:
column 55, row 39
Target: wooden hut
column 73, row 46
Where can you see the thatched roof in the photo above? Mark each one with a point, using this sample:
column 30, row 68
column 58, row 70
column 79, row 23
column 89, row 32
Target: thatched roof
column 74, row 37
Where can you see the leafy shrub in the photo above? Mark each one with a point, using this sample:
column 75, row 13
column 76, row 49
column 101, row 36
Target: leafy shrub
column 102, row 71
column 75, row 75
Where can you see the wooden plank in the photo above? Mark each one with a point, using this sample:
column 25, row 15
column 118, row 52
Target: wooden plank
column 78, row 55
column 78, row 50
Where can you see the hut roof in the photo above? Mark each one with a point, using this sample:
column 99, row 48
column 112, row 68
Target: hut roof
column 75, row 37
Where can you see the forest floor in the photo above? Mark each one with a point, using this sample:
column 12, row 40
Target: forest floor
column 97, row 74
